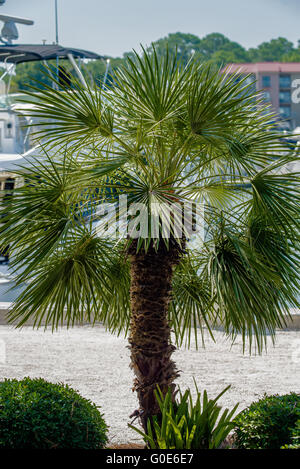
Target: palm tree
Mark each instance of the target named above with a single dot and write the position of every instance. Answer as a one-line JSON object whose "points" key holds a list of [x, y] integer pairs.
{"points": [[164, 135]]}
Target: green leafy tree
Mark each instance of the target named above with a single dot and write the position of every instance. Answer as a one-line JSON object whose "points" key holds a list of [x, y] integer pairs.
{"points": [[165, 136], [212, 43], [214, 47], [29, 73], [293, 56], [26, 73], [230, 53], [272, 51], [33, 73], [182, 44], [95, 69]]}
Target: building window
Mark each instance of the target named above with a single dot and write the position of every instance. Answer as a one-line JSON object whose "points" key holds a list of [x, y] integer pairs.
{"points": [[8, 130], [266, 96], [285, 81], [266, 81], [284, 96], [9, 184], [285, 112]]}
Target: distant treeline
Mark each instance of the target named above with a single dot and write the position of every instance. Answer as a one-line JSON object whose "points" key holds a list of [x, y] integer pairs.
{"points": [[214, 48]]}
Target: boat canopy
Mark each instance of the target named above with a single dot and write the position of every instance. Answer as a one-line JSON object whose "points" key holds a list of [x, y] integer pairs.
{"points": [[18, 53]]}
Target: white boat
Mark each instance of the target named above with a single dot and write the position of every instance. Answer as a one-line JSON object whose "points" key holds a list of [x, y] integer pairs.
{"points": [[16, 145]]}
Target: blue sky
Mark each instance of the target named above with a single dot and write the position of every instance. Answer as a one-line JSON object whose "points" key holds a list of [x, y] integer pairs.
{"points": [[115, 26]]}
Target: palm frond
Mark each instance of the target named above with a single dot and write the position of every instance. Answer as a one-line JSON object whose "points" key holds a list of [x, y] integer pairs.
{"points": [[80, 113], [276, 197], [79, 283], [250, 294], [192, 305], [168, 134]]}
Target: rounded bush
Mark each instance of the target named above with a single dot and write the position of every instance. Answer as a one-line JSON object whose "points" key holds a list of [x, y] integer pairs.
{"points": [[37, 414], [295, 438], [268, 423]]}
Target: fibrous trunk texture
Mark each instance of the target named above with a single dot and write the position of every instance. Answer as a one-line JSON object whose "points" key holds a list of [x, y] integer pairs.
{"points": [[150, 338]]}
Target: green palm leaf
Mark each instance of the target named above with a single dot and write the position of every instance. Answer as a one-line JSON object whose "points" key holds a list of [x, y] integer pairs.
{"points": [[163, 133]]}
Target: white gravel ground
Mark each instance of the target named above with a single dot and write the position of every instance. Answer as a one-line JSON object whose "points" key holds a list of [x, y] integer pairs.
{"points": [[96, 364]]}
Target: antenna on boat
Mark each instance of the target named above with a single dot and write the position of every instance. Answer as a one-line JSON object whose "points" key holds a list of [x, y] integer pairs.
{"points": [[9, 30], [106, 72], [56, 23], [56, 39]]}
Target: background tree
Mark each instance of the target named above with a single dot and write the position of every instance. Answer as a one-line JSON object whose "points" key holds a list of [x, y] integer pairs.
{"points": [[231, 52], [212, 43], [272, 51], [214, 48], [185, 45], [27, 74], [165, 134], [33, 73]]}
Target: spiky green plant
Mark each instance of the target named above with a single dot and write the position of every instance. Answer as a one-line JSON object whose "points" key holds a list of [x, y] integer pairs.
{"points": [[163, 134], [185, 424]]}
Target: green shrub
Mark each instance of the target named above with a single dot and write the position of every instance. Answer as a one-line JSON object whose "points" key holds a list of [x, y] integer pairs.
{"points": [[188, 425], [295, 436], [37, 414], [268, 423]]}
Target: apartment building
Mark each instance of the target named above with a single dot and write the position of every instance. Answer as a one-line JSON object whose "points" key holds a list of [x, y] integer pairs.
{"points": [[280, 83]]}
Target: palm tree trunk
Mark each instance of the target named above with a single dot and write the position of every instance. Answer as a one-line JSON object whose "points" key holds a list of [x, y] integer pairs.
{"points": [[150, 338]]}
